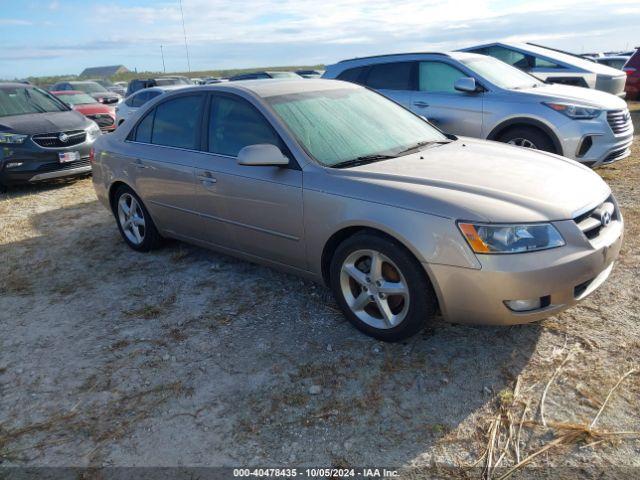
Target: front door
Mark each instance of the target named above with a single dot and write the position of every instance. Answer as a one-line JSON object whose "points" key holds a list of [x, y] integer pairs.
{"points": [[260, 207], [452, 111]]}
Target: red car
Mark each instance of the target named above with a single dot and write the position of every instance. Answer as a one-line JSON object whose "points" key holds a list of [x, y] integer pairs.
{"points": [[103, 115], [632, 67]]}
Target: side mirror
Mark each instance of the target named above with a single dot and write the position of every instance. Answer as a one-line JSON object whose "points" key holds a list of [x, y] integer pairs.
{"points": [[262, 154], [466, 84]]}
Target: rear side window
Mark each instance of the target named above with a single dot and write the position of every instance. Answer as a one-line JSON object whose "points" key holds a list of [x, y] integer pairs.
{"points": [[177, 122], [234, 124], [391, 76], [353, 75], [438, 77], [144, 128]]}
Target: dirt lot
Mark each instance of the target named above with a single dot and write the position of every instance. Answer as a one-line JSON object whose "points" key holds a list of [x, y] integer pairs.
{"points": [[186, 357]]}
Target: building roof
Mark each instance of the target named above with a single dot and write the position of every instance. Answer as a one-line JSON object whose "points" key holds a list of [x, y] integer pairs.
{"points": [[102, 72]]}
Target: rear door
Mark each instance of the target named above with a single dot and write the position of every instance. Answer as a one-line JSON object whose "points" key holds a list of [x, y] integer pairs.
{"points": [[164, 151], [436, 99], [258, 208], [395, 80]]}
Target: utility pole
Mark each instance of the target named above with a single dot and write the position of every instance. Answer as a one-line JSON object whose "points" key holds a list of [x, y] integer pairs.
{"points": [[184, 31], [164, 69]]}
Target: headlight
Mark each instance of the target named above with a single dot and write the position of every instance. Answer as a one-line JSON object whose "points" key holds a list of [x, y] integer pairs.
{"points": [[571, 110], [12, 138], [493, 238], [93, 131]]}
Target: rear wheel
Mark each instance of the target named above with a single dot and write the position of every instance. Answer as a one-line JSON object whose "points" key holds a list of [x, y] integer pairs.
{"points": [[134, 222], [528, 137], [381, 288]]}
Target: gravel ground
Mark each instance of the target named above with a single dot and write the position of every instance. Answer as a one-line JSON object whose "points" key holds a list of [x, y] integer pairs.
{"points": [[184, 357]]}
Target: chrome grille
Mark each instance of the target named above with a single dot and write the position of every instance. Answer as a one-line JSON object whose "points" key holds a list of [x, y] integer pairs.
{"points": [[53, 140], [593, 222], [619, 121]]}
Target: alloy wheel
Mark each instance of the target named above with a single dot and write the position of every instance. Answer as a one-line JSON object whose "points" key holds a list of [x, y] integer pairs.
{"points": [[374, 288], [131, 218], [522, 142]]}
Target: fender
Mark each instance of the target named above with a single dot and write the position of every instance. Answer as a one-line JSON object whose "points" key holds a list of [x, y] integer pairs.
{"points": [[532, 122]]}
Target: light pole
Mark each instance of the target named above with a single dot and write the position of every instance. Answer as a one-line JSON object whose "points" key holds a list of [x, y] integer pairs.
{"points": [[184, 31], [164, 69]]}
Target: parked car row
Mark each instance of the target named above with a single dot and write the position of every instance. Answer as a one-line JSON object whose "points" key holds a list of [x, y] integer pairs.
{"points": [[462, 93]]}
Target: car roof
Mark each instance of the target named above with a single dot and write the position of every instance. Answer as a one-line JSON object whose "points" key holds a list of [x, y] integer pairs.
{"points": [[16, 84], [406, 55], [68, 92], [163, 88], [274, 87]]}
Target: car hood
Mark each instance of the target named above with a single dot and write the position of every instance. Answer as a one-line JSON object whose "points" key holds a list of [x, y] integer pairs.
{"points": [[478, 180], [568, 93], [35, 123]]}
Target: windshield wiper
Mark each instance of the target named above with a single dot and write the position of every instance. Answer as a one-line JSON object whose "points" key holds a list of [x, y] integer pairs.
{"points": [[363, 160], [419, 145]]}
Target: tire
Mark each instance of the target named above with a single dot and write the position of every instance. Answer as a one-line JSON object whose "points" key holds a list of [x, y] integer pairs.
{"points": [[137, 229], [353, 283], [521, 135]]}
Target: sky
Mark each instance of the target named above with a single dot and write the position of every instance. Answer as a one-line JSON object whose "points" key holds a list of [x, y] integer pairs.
{"points": [[57, 37]]}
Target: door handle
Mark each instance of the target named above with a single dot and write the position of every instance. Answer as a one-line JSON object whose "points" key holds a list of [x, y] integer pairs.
{"points": [[421, 104], [138, 164], [207, 178]]}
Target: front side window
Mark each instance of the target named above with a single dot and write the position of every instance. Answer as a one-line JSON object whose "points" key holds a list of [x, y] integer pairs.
{"points": [[234, 124], [177, 122], [391, 76], [25, 100], [340, 125], [500, 74], [438, 77]]}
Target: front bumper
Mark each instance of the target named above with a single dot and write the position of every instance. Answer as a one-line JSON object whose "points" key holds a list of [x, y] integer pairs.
{"points": [[563, 276], [605, 146], [30, 163]]}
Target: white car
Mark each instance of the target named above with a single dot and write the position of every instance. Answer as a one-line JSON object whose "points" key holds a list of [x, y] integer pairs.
{"points": [[134, 101], [555, 66]]}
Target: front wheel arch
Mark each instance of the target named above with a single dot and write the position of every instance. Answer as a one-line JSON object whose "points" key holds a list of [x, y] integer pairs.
{"points": [[340, 236], [527, 123]]}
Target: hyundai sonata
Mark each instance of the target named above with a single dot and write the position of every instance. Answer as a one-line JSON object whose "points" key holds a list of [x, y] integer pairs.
{"points": [[335, 182]]}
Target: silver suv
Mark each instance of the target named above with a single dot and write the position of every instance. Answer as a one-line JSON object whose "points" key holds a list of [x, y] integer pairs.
{"points": [[479, 96]]}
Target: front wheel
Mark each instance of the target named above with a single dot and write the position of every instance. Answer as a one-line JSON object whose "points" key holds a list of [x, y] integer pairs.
{"points": [[381, 288], [528, 137], [134, 222]]}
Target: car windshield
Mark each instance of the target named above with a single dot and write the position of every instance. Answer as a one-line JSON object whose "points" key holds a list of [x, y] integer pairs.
{"points": [[501, 74], [76, 98], [89, 87], [25, 100], [343, 125]]}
